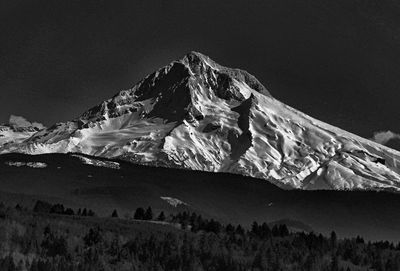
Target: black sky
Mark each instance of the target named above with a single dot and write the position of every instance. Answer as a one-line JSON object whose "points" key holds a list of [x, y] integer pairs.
{"points": [[338, 61]]}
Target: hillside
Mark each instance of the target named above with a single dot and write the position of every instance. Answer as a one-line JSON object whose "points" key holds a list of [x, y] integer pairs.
{"points": [[33, 240], [228, 197]]}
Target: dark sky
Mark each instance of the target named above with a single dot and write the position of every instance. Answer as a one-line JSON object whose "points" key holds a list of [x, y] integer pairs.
{"points": [[338, 61]]}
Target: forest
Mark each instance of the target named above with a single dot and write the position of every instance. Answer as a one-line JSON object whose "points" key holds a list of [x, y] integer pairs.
{"points": [[52, 237]]}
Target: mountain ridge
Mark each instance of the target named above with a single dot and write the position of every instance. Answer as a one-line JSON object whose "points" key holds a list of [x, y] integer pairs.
{"points": [[197, 114]]}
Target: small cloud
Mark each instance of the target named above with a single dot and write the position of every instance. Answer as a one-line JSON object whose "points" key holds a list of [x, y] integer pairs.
{"points": [[384, 137], [21, 122]]}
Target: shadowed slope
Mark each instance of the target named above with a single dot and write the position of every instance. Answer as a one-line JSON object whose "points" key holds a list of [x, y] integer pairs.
{"points": [[230, 198]]}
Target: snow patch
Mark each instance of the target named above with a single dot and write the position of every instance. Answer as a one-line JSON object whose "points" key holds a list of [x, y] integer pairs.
{"points": [[28, 164], [173, 201], [98, 163]]}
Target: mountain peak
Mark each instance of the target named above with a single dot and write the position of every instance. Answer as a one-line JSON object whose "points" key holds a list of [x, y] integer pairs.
{"points": [[193, 55], [168, 93], [198, 63], [195, 59]]}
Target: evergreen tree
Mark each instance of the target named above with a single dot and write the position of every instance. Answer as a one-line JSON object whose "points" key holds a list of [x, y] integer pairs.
{"points": [[255, 229], [57, 209], [139, 214], [69, 211], [42, 207], [114, 213], [239, 230], [283, 230], [148, 215], [275, 230], [229, 228], [91, 213], [161, 217], [265, 231]]}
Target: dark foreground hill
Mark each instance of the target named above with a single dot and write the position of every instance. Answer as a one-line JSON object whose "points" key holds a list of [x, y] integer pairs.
{"points": [[229, 198], [44, 241]]}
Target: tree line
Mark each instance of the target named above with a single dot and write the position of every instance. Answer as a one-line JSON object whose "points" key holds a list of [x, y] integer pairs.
{"points": [[44, 242], [58, 208]]}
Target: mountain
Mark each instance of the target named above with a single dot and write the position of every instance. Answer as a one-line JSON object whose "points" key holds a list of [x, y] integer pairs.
{"points": [[103, 185], [17, 130], [196, 114]]}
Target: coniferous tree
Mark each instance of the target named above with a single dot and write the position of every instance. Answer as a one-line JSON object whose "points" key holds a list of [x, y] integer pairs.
{"points": [[91, 213], [275, 230], [69, 211], [139, 214], [239, 230], [229, 228], [57, 209], [42, 207], [264, 231], [255, 229], [283, 230], [114, 213], [161, 217], [148, 215]]}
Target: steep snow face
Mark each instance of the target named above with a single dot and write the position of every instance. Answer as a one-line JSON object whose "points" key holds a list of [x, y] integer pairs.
{"points": [[196, 114]]}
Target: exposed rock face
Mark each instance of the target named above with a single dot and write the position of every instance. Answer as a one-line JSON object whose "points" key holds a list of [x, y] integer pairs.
{"points": [[197, 114]]}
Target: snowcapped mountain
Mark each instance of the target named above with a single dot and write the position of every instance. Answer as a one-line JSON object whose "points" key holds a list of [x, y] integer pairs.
{"points": [[197, 114]]}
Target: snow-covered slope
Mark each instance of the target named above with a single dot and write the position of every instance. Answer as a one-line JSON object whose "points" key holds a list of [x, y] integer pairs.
{"points": [[196, 114]]}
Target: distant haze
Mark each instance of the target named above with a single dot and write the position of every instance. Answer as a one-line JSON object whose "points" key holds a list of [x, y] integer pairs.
{"points": [[338, 61]]}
